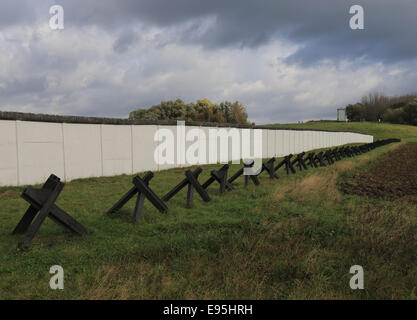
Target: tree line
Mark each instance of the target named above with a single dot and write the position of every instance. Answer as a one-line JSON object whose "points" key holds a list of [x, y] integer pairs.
{"points": [[203, 110], [379, 107]]}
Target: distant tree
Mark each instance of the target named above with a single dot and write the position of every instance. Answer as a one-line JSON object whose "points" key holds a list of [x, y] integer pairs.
{"points": [[190, 111], [402, 113], [138, 114], [355, 112], [226, 109], [394, 116], [239, 114], [203, 110], [376, 106], [410, 113]]}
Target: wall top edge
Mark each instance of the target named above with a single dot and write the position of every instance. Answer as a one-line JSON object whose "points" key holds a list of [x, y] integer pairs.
{"points": [[37, 117]]}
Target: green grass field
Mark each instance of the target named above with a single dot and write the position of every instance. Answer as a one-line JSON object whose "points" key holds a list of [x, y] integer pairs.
{"points": [[293, 238], [378, 130]]}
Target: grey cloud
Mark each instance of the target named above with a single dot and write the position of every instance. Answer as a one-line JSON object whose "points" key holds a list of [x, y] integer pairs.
{"points": [[123, 70], [18, 11], [320, 26], [23, 86], [124, 41]]}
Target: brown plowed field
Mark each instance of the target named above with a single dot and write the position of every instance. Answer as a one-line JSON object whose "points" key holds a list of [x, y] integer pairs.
{"points": [[393, 176]]}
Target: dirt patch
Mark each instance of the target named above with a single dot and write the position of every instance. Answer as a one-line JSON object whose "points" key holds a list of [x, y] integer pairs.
{"points": [[393, 176], [8, 193], [101, 179], [322, 184], [316, 185]]}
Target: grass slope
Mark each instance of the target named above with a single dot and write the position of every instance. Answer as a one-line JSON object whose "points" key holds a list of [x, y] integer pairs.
{"points": [[294, 238], [378, 130]]}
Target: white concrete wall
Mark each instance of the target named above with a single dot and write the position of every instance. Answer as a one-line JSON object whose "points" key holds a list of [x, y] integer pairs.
{"points": [[271, 143], [31, 151], [279, 143], [196, 148], [40, 151], [116, 149], [208, 146], [264, 143], [8, 153], [143, 145], [82, 151]]}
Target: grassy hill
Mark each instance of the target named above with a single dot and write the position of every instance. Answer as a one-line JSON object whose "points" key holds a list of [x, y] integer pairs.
{"points": [[378, 130], [292, 238]]}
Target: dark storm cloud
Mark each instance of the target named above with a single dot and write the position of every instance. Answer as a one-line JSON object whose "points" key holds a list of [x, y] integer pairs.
{"points": [[321, 26]]}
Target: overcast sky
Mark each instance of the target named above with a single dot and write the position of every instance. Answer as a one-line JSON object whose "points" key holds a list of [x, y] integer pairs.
{"points": [[286, 60]]}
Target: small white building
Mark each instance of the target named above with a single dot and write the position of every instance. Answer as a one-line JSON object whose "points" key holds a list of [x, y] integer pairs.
{"points": [[341, 114]]}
